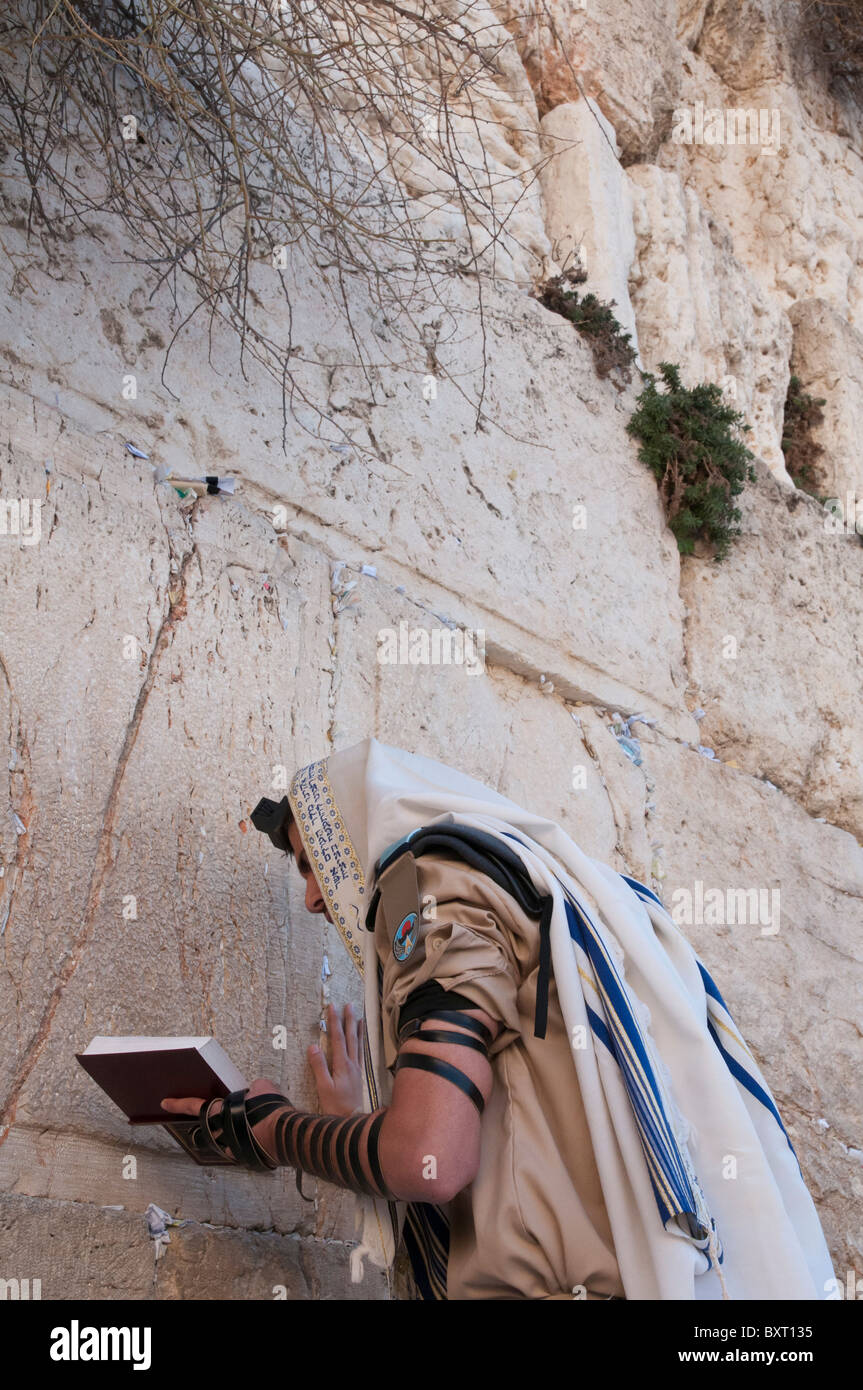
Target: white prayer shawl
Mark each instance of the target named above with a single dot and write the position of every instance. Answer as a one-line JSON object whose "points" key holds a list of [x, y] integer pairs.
{"points": [[704, 1194]]}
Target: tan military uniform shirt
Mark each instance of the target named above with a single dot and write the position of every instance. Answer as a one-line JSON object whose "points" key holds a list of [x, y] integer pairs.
{"points": [[533, 1223]]}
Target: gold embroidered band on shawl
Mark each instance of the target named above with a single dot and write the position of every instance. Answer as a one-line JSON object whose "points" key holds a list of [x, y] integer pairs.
{"points": [[336, 865], [330, 852]]}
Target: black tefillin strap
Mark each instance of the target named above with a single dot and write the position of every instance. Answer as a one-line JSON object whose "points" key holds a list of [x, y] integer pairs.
{"points": [[413, 1031], [230, 1128], [490, 856]]}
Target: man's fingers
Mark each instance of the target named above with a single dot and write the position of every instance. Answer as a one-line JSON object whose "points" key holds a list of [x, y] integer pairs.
{"points": [[188, 1105], [350, 1026], [318, 1064], [337, 1039]]}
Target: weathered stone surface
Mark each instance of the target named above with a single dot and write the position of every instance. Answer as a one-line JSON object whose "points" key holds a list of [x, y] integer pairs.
{"points": [[75, 1251], [589, 203], [697, 306], [496, 726], [792, 979], [483, 516], [828, 358], [787, 710], [78, 1252]]}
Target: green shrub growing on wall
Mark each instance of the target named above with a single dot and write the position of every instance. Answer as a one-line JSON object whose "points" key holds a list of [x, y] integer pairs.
{"points": [[689, 442], [593, 318], [802, 414]]}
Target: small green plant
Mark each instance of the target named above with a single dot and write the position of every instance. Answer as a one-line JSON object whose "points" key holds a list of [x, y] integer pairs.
{"points": [[802, 414], [609, 344], [688, 441]]}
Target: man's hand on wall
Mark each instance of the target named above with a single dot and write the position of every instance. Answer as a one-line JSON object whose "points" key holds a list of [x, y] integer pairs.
{"points": [[340, 1093]]}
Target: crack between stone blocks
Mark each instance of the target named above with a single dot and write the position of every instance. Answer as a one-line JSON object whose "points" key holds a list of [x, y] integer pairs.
{"points": [[26, 804], [333, 642], [500, 656], [103, 859], [188, 1221], [695, 690]]}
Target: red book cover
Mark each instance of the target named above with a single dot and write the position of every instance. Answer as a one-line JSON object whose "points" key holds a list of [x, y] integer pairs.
{"points": [[137, 1075]]}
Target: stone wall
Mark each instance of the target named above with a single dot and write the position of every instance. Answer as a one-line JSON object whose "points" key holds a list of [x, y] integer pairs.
{"points": [[160, 657]]}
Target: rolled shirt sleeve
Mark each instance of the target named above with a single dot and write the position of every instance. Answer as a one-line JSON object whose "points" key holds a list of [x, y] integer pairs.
{"points": [[463, 943]]}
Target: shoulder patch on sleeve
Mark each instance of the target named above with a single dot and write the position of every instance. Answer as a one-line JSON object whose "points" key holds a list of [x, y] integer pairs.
{"points": [[400, 896]]}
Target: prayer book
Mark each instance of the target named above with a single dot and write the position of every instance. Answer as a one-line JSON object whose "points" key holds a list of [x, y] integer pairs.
{"points": [[137, 1073]]}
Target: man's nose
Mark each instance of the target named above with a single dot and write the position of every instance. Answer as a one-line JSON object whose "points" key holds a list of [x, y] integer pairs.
{"points": [[314, 897]]}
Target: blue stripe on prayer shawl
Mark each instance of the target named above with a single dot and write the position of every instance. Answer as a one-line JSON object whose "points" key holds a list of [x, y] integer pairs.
{"points": [[671, 1188], [737, 1069], [626, 1034], [428, 1252], [434, 1258], [437, 1240], [711, 986], [438, 1222], [640, 889], [599, 1028], [435, 1269], [739, 1072], [418, 1263]]}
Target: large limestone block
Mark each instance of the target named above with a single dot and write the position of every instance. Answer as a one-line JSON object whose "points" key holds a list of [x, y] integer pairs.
{"points": [[792, 973], [475, 514], [626, 57], [588, 201], [127, 1172], [137, 898], [793, 211], [792, 199], [482, 529], [67, 692], [493, 725], [203, 1264], [828, 358], [697, 306], [774, 652], [74, 1251], [78, 1251]]}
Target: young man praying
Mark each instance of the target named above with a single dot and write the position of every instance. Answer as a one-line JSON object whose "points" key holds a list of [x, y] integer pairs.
{"points": [[539, 1105]]}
